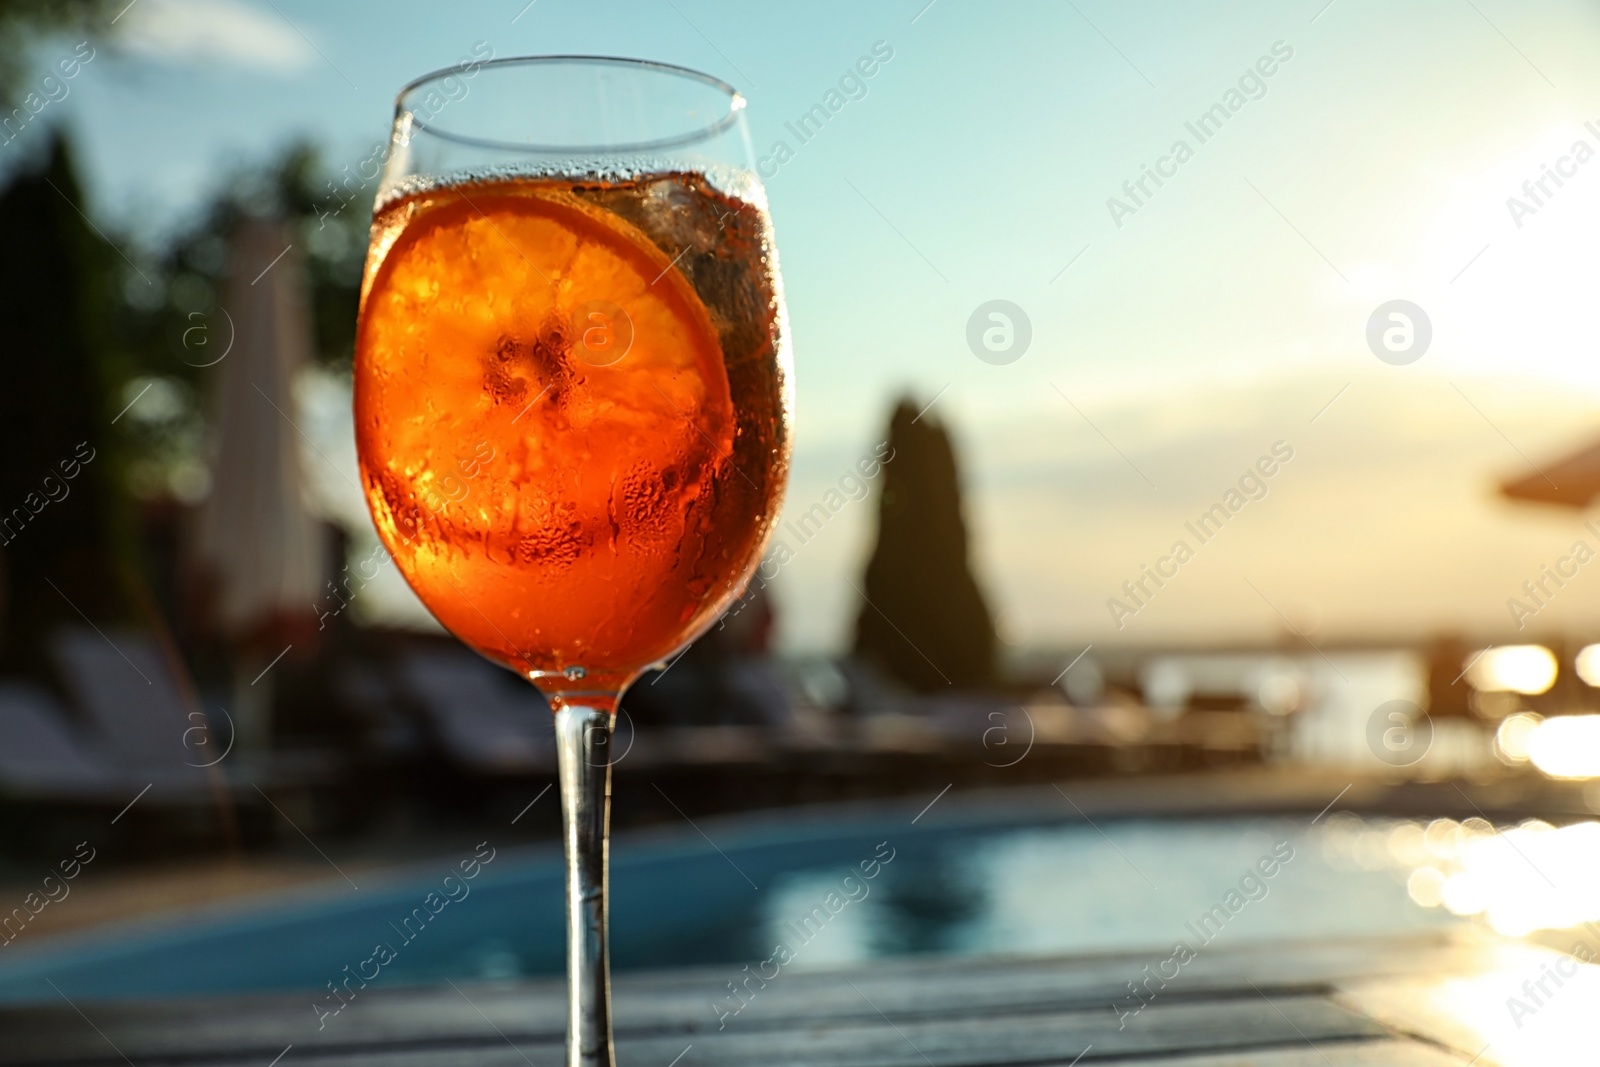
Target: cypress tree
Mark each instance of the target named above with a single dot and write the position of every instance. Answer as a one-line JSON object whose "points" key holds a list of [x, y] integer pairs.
{"points": [[924, 619], [59, 513]]}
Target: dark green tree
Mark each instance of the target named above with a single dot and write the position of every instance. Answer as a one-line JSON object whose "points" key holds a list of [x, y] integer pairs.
{"points": [[925, 620], [63, 534]]}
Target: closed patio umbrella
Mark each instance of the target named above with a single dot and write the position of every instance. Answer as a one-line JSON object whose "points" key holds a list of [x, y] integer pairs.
{"points": [[257, 542]]}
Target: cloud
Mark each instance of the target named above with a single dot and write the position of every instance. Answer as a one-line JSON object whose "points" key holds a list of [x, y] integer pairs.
{"points": [[214, 31]]}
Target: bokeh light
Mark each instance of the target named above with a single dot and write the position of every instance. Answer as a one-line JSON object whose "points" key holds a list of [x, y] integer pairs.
{"points": [[1567, 747], [1587, 664], [1526, 669], [1514, 880], [1512, 738]]}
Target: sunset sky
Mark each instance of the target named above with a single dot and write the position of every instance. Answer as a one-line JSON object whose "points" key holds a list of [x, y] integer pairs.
{"points": [[1171, 346]]}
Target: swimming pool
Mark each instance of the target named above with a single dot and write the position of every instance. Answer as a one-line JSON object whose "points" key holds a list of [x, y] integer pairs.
{"points": [[805, 891]]}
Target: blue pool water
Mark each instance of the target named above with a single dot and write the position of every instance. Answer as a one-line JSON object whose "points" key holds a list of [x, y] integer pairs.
{"points": [[968, 885]]}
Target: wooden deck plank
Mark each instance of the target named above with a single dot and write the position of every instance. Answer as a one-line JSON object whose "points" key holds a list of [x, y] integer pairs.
{"points": [[1536, 1010], [673, 1003], [1286, 1023], [1362, 1054], [905, 1013]]}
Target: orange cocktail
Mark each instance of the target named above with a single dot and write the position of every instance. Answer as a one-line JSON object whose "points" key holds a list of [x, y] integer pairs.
{"points": [[570, 412]]}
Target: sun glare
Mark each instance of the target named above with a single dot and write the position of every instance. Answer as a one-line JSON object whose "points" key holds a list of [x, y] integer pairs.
{"points": [[1567, 746], [1526, 669]]}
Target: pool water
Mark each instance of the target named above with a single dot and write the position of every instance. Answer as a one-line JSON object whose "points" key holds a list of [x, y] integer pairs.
{"points": [[1067, 889], [825, 889]]}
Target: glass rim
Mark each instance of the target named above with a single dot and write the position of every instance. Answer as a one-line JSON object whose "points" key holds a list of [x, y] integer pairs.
{"points": [[736, 105]]}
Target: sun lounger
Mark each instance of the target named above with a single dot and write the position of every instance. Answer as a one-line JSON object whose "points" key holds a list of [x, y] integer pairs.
{"points": [[42, 758], [485, 720]]}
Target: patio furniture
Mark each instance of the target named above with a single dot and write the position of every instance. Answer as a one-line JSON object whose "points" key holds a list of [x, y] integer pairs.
{"points": [[485, 720], [146, 728], [122, 683], [42, 758]]}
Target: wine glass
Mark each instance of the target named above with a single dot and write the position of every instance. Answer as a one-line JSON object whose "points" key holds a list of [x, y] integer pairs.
{"points": [[572, 395]]}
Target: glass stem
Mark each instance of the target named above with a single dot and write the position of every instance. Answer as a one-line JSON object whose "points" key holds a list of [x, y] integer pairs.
{"points": [[583, 751]]}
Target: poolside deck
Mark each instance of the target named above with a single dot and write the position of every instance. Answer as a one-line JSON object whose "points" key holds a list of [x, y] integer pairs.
{"points": [[1416, 1002]]}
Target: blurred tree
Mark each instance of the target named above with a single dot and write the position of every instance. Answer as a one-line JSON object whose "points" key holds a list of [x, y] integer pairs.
{"points": [[64, 535], [93, 328], [24, 22], [925, 620], [164, 325], [171, 333]]}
